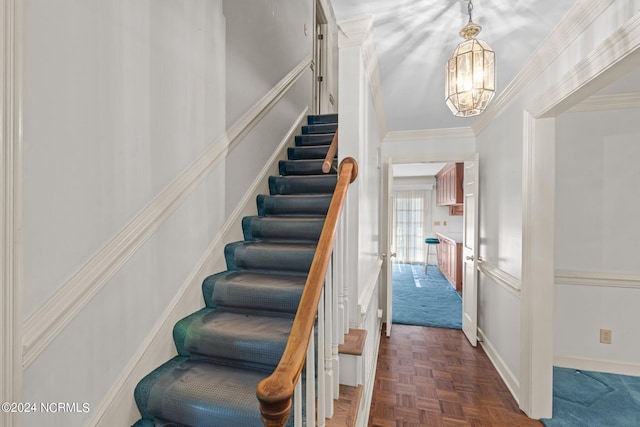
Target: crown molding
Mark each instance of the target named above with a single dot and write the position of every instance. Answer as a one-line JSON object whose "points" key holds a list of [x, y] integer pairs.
{"points": [[429, 134], [579, 16], [623, 101]]}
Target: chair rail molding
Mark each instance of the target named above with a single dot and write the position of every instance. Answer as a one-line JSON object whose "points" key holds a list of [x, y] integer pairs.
{"points": [[11, 49], [501, 277], [55, 314], [598, 278]]}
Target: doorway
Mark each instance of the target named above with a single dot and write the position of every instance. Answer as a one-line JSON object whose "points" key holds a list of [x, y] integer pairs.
{"points": [[388, 198]]}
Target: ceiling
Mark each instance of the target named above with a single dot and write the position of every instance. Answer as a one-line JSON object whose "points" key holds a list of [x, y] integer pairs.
{"points": [[415, 38]]}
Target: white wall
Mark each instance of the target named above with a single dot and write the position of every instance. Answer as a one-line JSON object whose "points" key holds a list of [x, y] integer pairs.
{"points": [[597, 206], [120, 98]]}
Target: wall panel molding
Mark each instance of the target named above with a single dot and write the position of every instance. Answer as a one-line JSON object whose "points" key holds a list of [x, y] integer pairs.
{"points": [[598, 278], [56, 313], [11, 280]]}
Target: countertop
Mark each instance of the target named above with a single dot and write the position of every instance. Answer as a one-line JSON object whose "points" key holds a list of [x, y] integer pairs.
{"points": [[451, 235]]}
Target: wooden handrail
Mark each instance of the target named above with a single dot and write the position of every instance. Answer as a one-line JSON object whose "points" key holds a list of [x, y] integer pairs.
{"points": [[328, 160], [276, 391]]}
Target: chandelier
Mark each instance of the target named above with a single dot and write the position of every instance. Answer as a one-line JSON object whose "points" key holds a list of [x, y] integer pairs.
{"points": [[471, 73]]}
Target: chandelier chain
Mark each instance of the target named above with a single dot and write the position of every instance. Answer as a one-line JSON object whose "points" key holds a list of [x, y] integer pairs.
{"points": [[469, 10]]}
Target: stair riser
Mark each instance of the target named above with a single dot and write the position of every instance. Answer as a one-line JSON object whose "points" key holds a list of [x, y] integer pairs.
{"points": [[307, 153], [322, 128], [313, 140], [304, 167], [303, 206], [302, 185], [255, 228], [322, 119], [247, 257]]}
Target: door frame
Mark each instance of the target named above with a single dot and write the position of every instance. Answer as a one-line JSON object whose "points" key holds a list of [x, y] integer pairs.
{"points": [[319, 89], [421, 158], [613, 58]]}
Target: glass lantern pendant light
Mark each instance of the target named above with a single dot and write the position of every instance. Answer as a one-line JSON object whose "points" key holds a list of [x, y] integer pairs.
{"points": [[471, 73]]}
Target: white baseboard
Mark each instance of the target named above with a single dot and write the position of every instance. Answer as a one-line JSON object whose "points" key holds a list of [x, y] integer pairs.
{"points": [[513, 384], [118, 408], [608, 366]]}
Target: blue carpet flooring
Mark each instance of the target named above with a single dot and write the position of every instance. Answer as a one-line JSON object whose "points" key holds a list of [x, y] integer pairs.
{"points": [[594, 399], [424, 299]]}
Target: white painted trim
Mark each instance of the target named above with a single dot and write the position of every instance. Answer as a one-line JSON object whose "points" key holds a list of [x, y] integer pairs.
{"points": [[609, 366], [371, 285], [158, 347], [598, 278], [570, 27], [362, 419], [581, 81], [54, 315], [429, 135], [11, 279], [501, 277], [620, 101], [358, 32], [609, 60], [505, 373]]}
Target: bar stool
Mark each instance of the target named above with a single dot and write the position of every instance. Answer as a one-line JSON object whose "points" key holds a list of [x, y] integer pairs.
{"points": [[430, 241]]}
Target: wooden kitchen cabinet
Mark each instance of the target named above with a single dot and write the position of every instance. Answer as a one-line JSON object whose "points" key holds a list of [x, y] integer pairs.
{"points": [[449, 189], [450, 260]]}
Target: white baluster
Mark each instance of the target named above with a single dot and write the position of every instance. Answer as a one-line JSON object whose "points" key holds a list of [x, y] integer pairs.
{"points": [[321, 378], [328, 340], [311, 382], [297, 404]]}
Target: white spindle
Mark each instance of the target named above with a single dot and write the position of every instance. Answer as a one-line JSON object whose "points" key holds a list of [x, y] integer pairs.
{"points": [[328, 341], [311, 382], [321, 374], [297, 404]]}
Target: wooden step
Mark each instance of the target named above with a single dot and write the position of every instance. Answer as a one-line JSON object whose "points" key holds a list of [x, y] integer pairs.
{"points": [[345, 410], [353, 342]]}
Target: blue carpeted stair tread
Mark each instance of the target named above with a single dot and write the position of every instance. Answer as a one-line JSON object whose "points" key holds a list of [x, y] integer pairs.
{"points": [[314, 139], [269, 256], [196, 393], [319, 128], [258, 291], [308, 153], [316, 119], [312, 184], [293, 204], [304, 167], [282, 228], [244, 338]]}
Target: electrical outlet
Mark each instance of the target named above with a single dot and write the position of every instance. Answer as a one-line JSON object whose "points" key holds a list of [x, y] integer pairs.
{"points": [[444, 223], [605, 336]]}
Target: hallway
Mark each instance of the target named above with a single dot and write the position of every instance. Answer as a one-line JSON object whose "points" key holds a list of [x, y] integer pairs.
{"points": [[433, 377]]}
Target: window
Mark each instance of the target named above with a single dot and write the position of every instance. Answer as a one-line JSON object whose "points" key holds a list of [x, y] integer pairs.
{"points": [[411, 208]]}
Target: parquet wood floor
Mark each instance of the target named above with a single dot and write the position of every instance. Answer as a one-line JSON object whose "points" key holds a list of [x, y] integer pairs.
{"points": [[434, 377]]}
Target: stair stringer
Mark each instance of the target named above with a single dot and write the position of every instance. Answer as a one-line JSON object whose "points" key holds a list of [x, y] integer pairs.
{"points": [[118, 407]]}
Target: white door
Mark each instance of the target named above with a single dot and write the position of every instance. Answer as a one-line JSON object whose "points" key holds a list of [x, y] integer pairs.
{"points": [[386, 230], [469, 253]]}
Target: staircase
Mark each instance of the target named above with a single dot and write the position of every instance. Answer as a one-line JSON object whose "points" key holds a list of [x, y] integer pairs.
{"points": [[237, 339]]}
